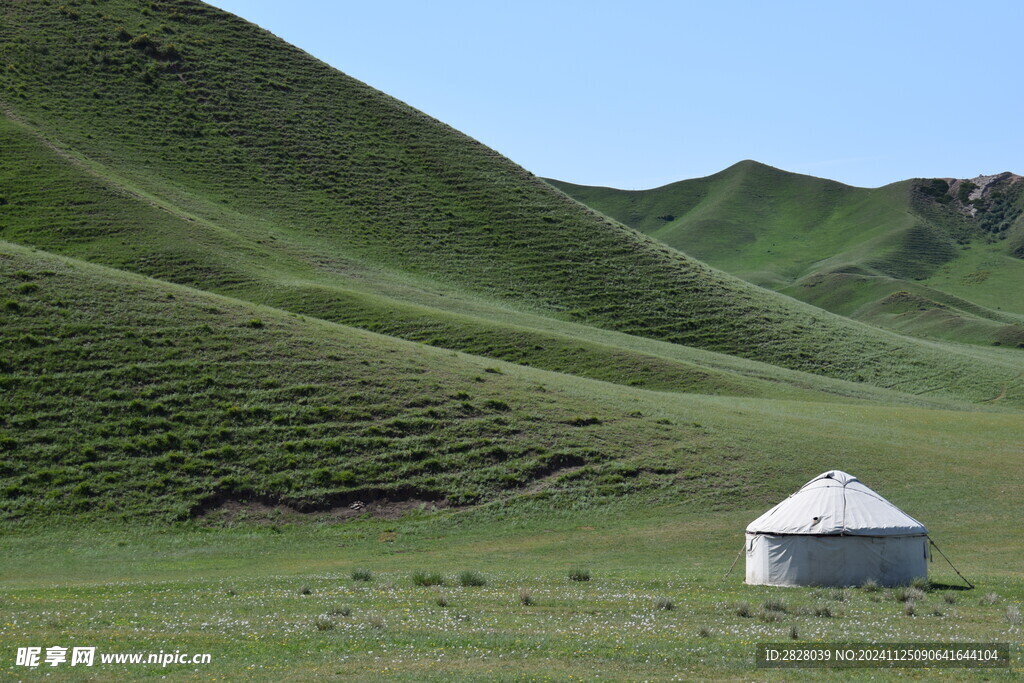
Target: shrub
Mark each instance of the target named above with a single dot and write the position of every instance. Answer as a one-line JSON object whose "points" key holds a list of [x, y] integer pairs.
{"points": [[255, 323], [909, 609], [743, 610], [989, 599], [704, 632], [11, 305], [774, 605], [665, 604], [305, 590], [949, 598], [769, 616], [1013, 615], [823, 611], [427, 579], [468, 579], [838, 594], [921, 583], [343, 611], [869, 586], [441, 600], [525, 597], [362, 575], [908, 594], [794, 634], [579, 574], [323, 624]]}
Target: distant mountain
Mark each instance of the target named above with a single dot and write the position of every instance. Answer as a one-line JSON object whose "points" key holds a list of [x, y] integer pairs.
{"points": [[931, 257]]}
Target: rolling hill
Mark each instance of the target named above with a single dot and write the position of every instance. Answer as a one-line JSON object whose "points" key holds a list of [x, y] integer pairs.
{"points": [[219, 157], [933, 258], [169, 140]]}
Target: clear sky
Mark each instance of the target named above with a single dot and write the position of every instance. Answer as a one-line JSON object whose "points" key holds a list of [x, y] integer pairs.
{"points": [[639, 94]]}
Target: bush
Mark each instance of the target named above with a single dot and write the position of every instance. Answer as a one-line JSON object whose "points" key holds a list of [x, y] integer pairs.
{"points": [[343, 611], [323, 624], [525, 597], [704, 632], [774, 605], [909, 609], [743, 610], [949, 598], [305, 590], [794, 634], [909, 594], [989, 599], [869, 586], [427, 579], [921, 583], [362, 575], [255, 323], [838, 594], [579, 574], [468, 579], [823, 611], [1013, 615], [441, 599], [665, 604]]}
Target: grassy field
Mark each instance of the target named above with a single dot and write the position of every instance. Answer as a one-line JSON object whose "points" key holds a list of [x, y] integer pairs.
{"points": [[854, 251], [276, 602]]}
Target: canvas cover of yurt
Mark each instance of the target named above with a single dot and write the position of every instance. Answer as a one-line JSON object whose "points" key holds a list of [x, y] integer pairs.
{"points": [[835, 531]]}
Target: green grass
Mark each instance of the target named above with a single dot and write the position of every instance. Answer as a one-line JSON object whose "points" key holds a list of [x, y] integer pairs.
{"points": [[275, 348], [126, 397], [235, 593], [240, 165], [842, 248]]}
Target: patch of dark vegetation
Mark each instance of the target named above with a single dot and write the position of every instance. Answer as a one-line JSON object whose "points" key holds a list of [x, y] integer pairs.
{"points": [[579, 574], [936, 188], [421, 578], [472, 579]]}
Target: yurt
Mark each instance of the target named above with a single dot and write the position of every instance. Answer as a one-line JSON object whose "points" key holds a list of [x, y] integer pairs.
{"points": [[835, 531]]}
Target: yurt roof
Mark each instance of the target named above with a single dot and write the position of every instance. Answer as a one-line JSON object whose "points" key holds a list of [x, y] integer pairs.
{"points": [[836, 503]]}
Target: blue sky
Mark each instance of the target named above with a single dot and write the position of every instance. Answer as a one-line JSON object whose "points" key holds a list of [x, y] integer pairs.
{"points": [[641, 94]]}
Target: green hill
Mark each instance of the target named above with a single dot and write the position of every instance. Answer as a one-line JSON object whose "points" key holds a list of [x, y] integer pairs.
{"points": [[175, 141], [222, 158], [129, 398], [126, 397], [850, 250]]}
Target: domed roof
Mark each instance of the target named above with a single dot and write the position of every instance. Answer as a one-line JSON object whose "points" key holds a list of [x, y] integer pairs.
{"points": [[833, 504]]}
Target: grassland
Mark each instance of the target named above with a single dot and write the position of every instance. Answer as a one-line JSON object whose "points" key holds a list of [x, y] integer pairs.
{"points": [[195, 148], [262, 326], [280, 602], [854, 251]]}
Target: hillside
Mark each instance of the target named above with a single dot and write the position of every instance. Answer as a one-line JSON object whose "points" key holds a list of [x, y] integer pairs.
{"points": [[128, 398], [177, 141], [932, 258], [125, 397]]}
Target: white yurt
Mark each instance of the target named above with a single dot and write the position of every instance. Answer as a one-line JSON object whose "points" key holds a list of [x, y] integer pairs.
{"points": [[835, 531]]}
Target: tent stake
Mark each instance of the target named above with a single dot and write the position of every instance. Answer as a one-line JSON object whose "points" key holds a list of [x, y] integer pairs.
{"points": [[733, 565], [969, 584]]}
